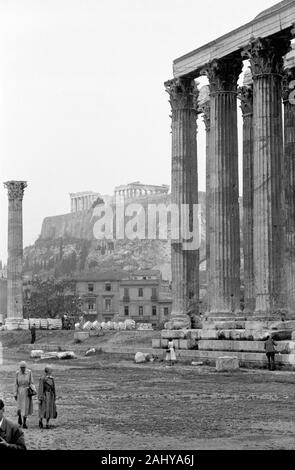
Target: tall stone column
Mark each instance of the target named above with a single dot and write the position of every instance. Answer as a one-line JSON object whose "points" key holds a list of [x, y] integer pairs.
{"points": [[15, 254], [289, 161], [206, 118], [266, 58], [246, 96], [184, 190], [224, 261]]}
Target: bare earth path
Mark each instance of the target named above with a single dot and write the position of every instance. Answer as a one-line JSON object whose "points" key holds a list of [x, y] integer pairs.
{"points": [[103, 404]]}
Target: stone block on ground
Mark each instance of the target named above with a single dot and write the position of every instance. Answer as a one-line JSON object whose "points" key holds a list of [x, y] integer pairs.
{"points": [[164, 343], [227, 363], [156, 343], [36, 353], [194, 334], [87, 326], [141, 357], [174, 334], [66, 355], [281, 334], [187, 343], [81, 335]]}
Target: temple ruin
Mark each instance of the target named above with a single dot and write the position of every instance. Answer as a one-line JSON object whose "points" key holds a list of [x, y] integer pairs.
{"points": [[268, 169]]}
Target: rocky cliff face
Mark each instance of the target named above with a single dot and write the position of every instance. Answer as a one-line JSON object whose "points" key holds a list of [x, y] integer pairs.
{"points": [[67, 245]]}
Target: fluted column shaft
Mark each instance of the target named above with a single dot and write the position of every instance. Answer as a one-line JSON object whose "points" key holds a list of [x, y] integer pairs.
{"points": [[15, 252], [289, 162], [246, 95], [224, 264], [184, 189], [266, 58], [206, 117]]}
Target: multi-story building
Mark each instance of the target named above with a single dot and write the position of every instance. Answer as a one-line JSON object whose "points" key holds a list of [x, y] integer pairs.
{"points": [[99, 294], [145, 298], [141, 296]]}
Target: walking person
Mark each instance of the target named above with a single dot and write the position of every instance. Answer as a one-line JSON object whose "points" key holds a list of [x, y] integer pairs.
{"points": [[47, 397], [11, 436], [33, 334], [171, 356], [270, 350], [24, 390]]}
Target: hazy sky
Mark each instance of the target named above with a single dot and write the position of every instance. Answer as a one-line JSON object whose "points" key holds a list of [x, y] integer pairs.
{"points": [[82, 102]]}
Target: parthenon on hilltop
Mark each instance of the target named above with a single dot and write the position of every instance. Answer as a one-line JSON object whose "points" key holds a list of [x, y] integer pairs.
{"points": [[268, 169]]}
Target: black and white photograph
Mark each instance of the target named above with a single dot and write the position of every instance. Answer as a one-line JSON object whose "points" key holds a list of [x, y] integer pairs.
{"points": [[147, 229]]}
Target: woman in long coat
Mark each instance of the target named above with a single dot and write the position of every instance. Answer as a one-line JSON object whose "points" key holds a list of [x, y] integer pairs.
{"points": [[23, 380], [46, 396]]}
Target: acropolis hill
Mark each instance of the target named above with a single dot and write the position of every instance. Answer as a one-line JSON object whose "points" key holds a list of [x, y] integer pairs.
{"points": [[67, 244]]}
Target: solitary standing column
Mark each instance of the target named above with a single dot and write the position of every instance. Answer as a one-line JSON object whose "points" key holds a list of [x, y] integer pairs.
{"points": [[289, 158], [224, 264], [266, 58], [185, 263], [15, 254], [246, 96]]}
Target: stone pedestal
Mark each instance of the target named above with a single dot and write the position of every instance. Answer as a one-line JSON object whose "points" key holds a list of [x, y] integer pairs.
{"points": [[224, 262], [246, 96], [266, 58], [14, 318], [184, 187], [289, 159]]}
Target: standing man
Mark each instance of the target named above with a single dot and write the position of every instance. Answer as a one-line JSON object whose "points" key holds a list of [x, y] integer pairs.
{"points": [[11, 436], [270, 350], [33, 334]]}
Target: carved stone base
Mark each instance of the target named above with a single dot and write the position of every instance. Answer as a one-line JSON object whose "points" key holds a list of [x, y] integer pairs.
{"points": [[16, 324]]}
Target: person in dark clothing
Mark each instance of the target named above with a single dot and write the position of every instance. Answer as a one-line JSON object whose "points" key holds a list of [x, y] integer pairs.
{"points": [[270, 350], [33, 334], [11, 435]]}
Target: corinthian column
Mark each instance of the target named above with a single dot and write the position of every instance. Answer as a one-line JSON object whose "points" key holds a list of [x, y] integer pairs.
{"points": [[246, 96], [184, 188], [266, 58], [289, 159], [224, 264], [15, 254], [206, 118]]}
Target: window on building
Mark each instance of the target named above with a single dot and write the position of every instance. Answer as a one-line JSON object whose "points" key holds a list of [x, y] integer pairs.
{"points": [[140, 310], [108, 286], [126, 311], [108, 304], [90, 287], [140, 292], [154, 310], [166, 311], [126, 292], [91, 306], [154, 292]]}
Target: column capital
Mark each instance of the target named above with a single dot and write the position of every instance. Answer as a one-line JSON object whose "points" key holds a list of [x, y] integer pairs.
{"points": [[288, 76], [246, 97], [183, 93], [15, 189], [223, 73], [266, 55]]}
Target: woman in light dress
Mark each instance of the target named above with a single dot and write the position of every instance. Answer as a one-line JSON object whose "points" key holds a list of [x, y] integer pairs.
{"points": [[23, 380], [46, 396], [170, 356]]}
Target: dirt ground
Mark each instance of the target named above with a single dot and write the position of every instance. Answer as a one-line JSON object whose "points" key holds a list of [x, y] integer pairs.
{"points": [[105, 403]]}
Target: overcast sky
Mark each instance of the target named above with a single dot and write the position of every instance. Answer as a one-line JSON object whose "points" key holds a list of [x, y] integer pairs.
{"points": [[82, 102]]}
